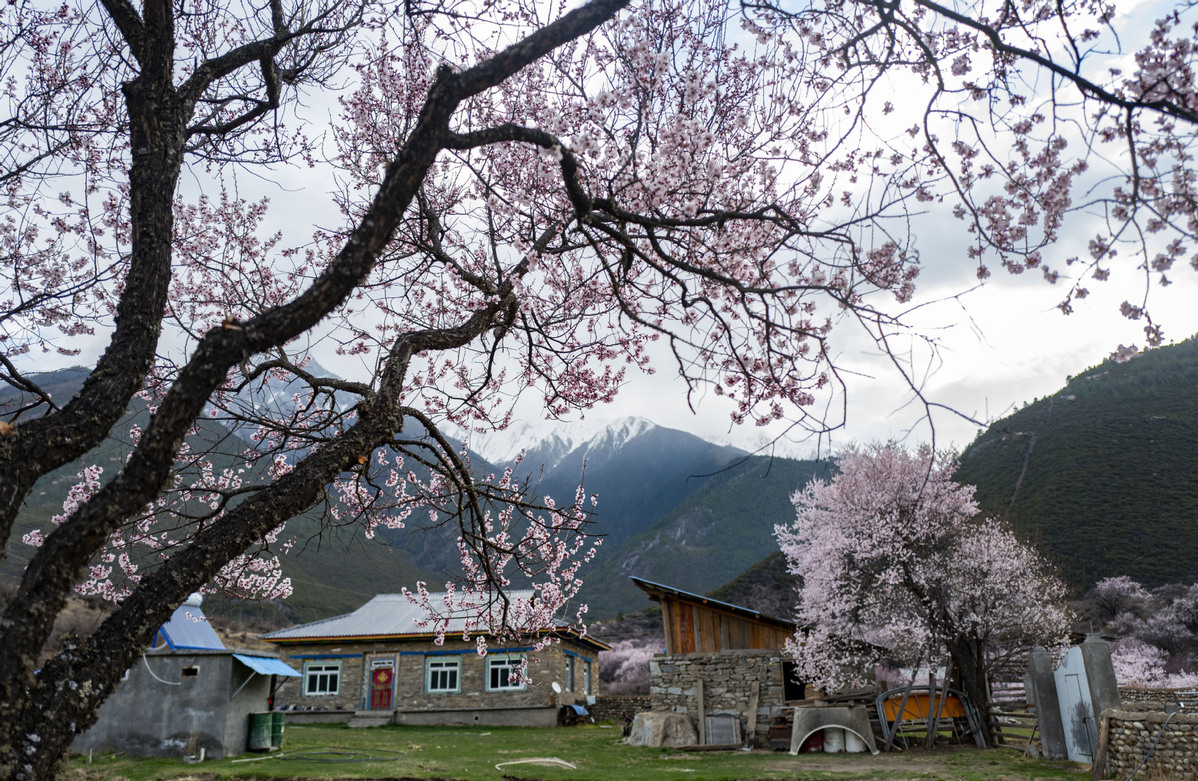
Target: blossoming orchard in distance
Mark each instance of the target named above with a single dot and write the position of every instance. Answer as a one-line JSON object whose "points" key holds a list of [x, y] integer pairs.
{"points": [[522, 201]]}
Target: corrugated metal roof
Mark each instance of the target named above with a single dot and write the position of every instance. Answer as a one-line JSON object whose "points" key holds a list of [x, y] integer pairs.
{"points": [[266, 665], [386, 615], [188, 628]]}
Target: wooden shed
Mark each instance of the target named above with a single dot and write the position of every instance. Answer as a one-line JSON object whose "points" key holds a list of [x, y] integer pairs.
{"points": [[698, 624]]}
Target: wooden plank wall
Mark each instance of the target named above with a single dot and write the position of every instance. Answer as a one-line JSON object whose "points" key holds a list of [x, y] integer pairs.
{"points": [[699, 629]]}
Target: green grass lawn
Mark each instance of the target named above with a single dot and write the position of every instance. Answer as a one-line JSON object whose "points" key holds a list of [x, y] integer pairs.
{"points": [[597, 753]]}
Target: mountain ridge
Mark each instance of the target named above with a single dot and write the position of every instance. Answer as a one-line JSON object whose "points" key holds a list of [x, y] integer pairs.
{"points": [[1096, 475], [655, 485]]}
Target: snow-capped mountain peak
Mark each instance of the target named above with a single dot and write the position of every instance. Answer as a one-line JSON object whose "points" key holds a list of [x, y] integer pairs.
{"points": [[548, 443]]}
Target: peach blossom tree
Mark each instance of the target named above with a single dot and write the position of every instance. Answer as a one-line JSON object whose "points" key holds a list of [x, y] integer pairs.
{"points": [[894, 562]]}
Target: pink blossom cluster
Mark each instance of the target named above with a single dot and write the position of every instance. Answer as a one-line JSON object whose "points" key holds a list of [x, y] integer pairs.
{"points": [[537, 543], [1029, 122], [698, 187], [1139, 664]]}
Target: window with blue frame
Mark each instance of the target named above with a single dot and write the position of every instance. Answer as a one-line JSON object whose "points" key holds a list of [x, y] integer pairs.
{"points": [[442, 675], [503, 674], [322, 678]]}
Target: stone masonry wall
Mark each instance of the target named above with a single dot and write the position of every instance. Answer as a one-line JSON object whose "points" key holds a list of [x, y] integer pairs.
{"points": [[728, 679], [409, 691], [1132, 733]]}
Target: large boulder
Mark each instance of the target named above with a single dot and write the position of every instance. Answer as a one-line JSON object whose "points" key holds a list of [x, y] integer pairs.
{"points": [[662, 728]]}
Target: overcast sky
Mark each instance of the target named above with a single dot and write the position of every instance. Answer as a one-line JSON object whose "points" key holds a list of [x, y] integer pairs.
{"points": [[998, 346]]}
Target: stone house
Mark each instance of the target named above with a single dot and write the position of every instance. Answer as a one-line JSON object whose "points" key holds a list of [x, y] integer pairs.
{"points": [[381, 663], [187, 692], [721, 660]]}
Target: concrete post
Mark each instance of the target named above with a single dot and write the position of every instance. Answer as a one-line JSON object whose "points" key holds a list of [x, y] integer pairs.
{"points": [[1048, 712], [1100, 673]]}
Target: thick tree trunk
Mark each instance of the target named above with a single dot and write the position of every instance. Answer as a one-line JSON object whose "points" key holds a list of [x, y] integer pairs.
{"points": [[969, 659], [158, 134]]}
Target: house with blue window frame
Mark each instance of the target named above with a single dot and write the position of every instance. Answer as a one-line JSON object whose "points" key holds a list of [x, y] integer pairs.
{"points": [[186, 693], [380, 662]]}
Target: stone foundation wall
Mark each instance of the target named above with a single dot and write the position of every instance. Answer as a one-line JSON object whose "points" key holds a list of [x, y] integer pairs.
{"points": [[1132, 733], [612, 707], [728, 679]]}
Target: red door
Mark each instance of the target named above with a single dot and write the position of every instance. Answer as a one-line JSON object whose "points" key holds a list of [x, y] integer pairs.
{"points": [[381, 679]]}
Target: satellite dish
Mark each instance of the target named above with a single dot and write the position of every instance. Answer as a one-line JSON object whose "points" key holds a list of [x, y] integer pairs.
{"points": [[557, 687]]}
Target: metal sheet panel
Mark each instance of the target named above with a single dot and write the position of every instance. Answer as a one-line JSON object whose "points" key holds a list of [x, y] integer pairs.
{"points": [[266, 665], [1077, 710], [385, 615], [189, 629]]}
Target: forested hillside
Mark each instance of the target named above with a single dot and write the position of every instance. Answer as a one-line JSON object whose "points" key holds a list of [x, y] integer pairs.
{"points": [[1100, 475]]}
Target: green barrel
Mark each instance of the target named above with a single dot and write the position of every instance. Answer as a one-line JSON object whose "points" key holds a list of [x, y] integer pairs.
{"points": [[276, 728], [260, 729]]}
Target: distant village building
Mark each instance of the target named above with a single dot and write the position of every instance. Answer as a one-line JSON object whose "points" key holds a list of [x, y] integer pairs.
{"points": [[186, 693], [380, 665], [721, 660]]}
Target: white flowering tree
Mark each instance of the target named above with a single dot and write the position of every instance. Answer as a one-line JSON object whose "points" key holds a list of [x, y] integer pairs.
{"points": [[520, 201], [891, 553], [1157, 631]]}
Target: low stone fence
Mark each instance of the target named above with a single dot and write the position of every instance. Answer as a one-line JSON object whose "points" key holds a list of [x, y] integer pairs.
{"points": [[1139, 698], [1132, 733], [612, 707]]}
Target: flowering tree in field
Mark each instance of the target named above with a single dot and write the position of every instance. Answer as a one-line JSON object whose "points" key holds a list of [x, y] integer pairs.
{"points": [[890, 552], [1158, 631], [1114, 596], [1140, 664], [523, 199], [625, 668]]}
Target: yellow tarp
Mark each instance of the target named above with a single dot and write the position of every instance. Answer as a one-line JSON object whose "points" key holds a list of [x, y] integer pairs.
{"points": [[918, 708]]}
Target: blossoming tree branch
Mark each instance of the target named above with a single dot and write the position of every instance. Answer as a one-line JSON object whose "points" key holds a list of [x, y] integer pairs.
{"points": [[521, 200]]}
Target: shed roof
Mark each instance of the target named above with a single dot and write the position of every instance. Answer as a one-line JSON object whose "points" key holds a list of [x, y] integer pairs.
{"points": [[266, 665], [188, 629], [657, 590], [389, 616]]}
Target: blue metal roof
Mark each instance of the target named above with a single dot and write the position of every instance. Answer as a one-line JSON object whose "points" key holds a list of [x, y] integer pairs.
{"points": [[189, 629], [266, 665]]}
